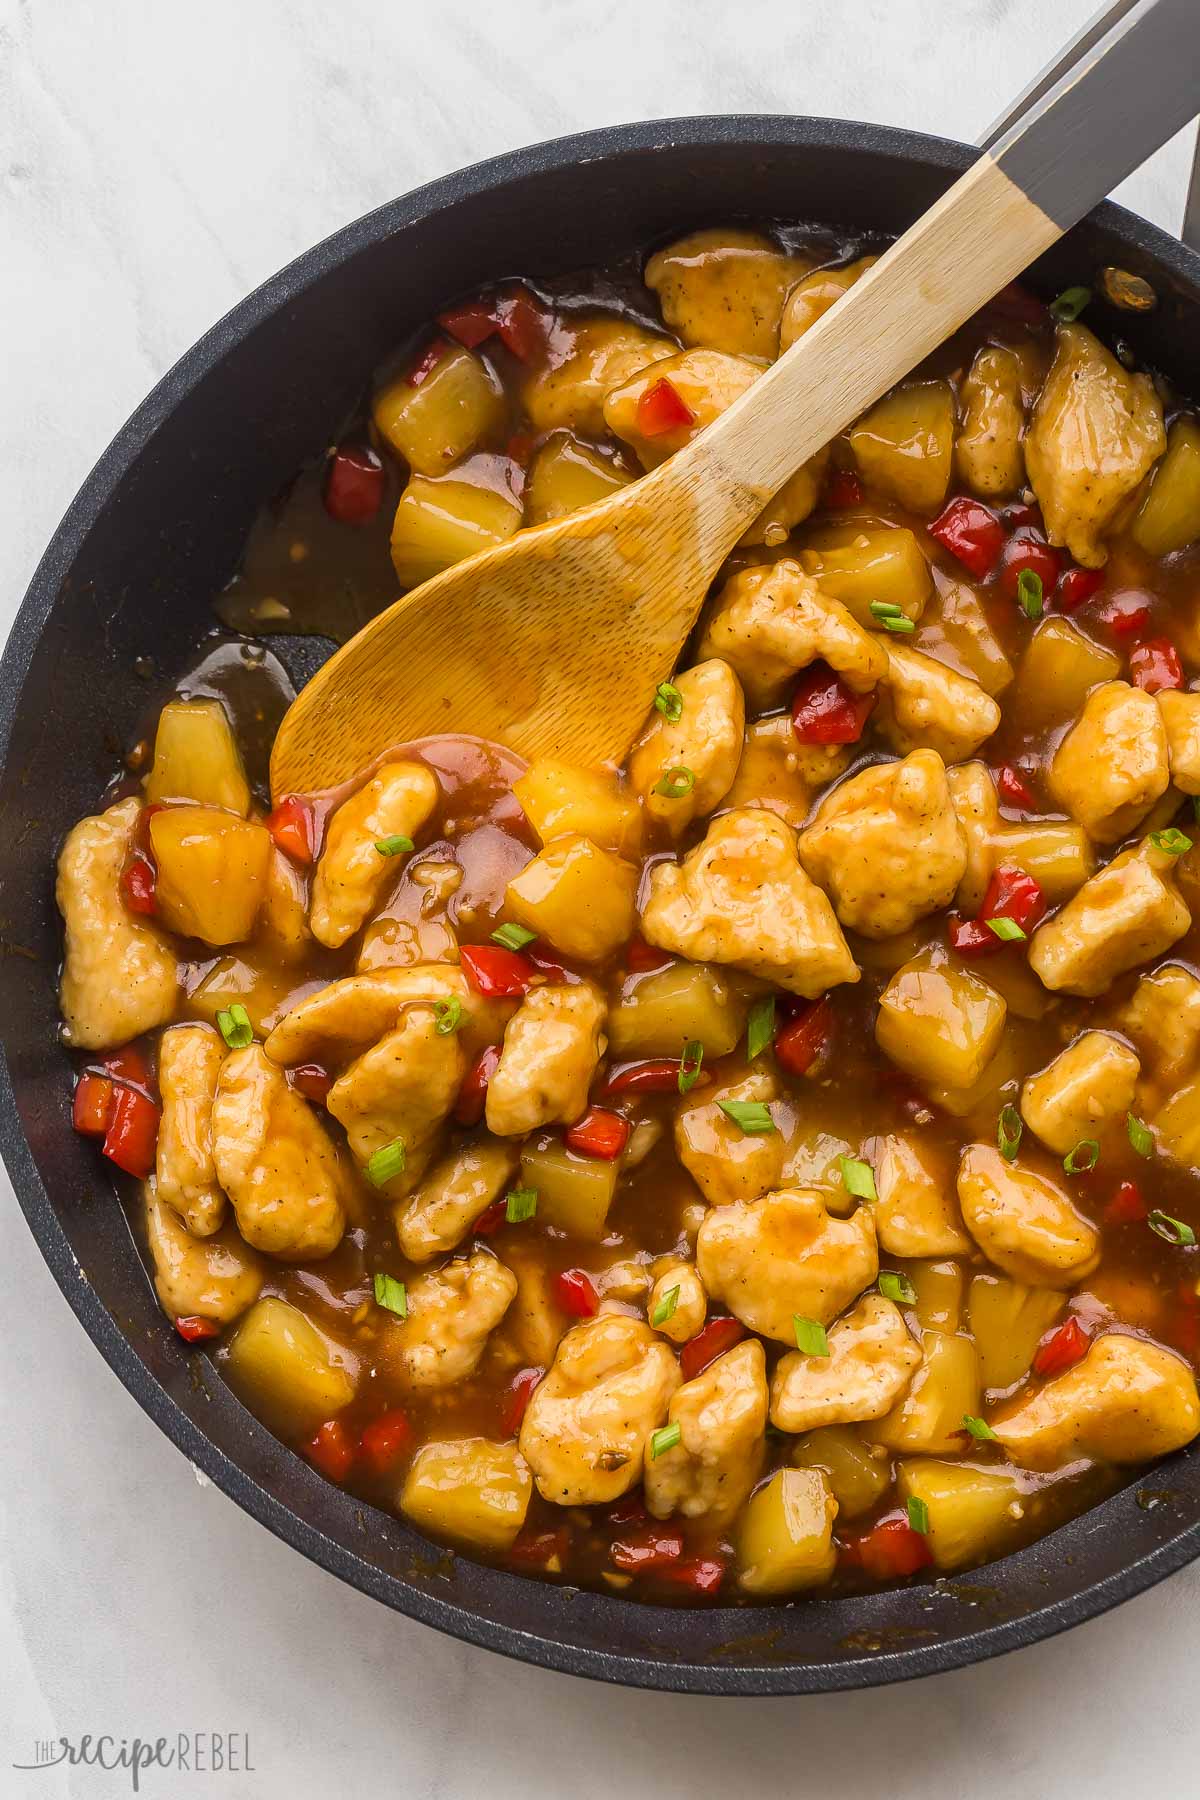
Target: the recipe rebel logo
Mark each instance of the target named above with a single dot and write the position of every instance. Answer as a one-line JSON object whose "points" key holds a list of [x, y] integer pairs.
{"points": [[186, 1753]]}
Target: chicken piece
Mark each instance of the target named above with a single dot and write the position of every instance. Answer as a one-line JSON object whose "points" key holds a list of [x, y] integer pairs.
{"points": [[1089, 1083], [722, 1416], [279, 1166], [401, 1090], [741, 897], [1181, 719], [942, 1024], [988, 452], [348, 1016], [1128, 1401], [588, 360], [887, 845], [916, 1213], [686, 1313], [1127, 914], [812, 297], [782, 1257], [552, 1045], [1095, 434], [725, 1162], [1163, 1019], [1024, 1222], [705, 742], [870, 1366], [352, 873], [725, 289], [706, 381], [586, 1427], [282, 929], [579, 899], [790, 505], [438, 1216], [451, 1311], [782, 774], [1060, 857], [120, 977], [189, 1061], [926, 705], [215, 1277], [768, 623], [904, 446], [1112, 765]]}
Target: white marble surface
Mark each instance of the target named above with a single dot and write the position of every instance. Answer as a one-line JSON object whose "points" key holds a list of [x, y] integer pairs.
{"points": [[156, 161]]}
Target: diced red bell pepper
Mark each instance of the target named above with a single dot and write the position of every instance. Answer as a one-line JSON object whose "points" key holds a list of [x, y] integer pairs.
{"points": [[1127, 613], [1014, 790], [385, 1441], [1015, 302], [311, 1080], [599, 1133], [520, 1393], [696, 1574], [653, 1547], [970, 937], [842, 488], [711, 1341], [574, 1292], [131, 1139], [293, 826], [1011, 894], [1021, 515], [1062, 1349], [427, 362], [1028, 550], [539, 1549], [641, 956], [519, 447], [662, 408], [471, 324], [472, 1095], [495, 972], [353, 487], [1077, 587], [889, 1551], [139, 883], [630, 1509], [1127, 1206], [491, 1219], [91, 1108], [522, 324], [1155, 665], [332, 1450], [658, 1077], [972, 534], [801, 1041], [1183, 1327], [195, 1330], [825, 711]]}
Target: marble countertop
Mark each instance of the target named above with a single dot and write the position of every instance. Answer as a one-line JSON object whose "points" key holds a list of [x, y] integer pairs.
{"points": [[156, 162]]}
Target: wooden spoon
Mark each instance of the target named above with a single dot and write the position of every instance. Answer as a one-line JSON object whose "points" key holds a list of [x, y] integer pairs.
{"points": [[555, 642]]}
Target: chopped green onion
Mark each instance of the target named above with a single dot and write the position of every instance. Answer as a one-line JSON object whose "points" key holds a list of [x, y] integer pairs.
{"points": [[520, 1205], [1029, 593], [668, 701], [1174, 842], [666, 1307], [901, 625], [689, 1065], [750, 1116], [1083, 1157], [1140, 1135], [391, 1294], [1070, 303], [387, 1163], [858, 1177], [513, 937], [1007, 930], [810, 1336], [447, 1015], [978, 1428], [1009, 1129], [897, 1287], [886, 609], [1173, 1230], [1196, 808], [235, 1027], [665, 1438], [396, 845], [674, 783], [918, 1514], [760, 1027]]}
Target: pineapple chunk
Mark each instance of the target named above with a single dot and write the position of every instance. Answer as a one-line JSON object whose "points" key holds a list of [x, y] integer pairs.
{"points": [[658, 1013], [266, 993], [1008, 1320], [457, 405], [470, 1490], [781, 774], [1177, 1125], [287, 1371], [957, 630], [574, 1192], [875, 565], [578, 897], [939, 1290], [560, 800], [973, 1512], [858, 1475], [785, 1541], [929, 1420], [905, 445], [212, 872], [438, 523], [1169, 517], [565, 475], [1088, 1084], [1058, 671], [939, 1023], [196, 758], [917, 1213]]}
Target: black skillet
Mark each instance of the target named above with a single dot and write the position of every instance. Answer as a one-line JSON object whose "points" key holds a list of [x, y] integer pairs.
{"points": [[155, 532]]}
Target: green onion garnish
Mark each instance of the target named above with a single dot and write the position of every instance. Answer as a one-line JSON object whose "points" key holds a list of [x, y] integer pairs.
{"points": [[668, 701], [810, 1336], [235, 1027], [1196, 808], [520, 1205], [1029, 593], [665, 1438], [396, 845], [1083, 1157], [978, 1428], [1070, 303], [918, 1514], [1173, 1230], [391, 1294], [1007, 930], [387, 1163], [513, 937], [689, 1065], [1139, 1135], [750, 1116], [858, 1177], [674, 783], [666, 1307], [1174, 842], [886, 609], [1009, 1129], [760, 1027], [897, 1287], [447, 1015]]}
